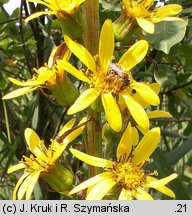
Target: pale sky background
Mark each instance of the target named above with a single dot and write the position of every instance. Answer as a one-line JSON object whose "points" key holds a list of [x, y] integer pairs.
{"points": [[13, 4]]}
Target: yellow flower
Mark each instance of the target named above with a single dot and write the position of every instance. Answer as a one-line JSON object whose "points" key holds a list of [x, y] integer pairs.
{"points": [[126, 175], [112, 81], [51, 77], [56, 6], [139, 10], [43, 162]]}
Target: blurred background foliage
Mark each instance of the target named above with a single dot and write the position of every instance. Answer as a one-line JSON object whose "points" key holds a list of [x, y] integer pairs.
{"points": [[24, 46]]}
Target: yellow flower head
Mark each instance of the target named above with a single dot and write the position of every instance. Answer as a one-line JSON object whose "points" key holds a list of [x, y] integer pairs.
{"points": [[112, 81], [139, 10], [51, 77], [126, 175], [56, 6], [43, 162]]}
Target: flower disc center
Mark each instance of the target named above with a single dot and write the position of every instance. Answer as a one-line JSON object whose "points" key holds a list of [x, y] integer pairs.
{"points": [[129, 176], [113, 81]]}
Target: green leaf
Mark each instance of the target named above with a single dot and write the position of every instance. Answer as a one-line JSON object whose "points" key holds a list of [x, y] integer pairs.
{"points": [[187, 10], [109, 6], [3, 14], [3, 82], [165, 169], [10, 156], [165, 75], [179, 152], [167, 34]]}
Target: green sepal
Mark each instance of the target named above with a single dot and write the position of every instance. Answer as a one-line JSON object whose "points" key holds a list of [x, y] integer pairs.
{"points": [[71, 25], [64, 92], [97, 105], [59, 178]]}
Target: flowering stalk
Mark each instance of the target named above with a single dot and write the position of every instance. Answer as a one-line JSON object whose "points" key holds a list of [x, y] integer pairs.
{"points": [[91, 40], [91, 37]]}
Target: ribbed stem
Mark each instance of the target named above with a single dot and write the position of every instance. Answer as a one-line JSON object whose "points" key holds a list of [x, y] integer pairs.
{"points": [[91, 37], [91, 40]]}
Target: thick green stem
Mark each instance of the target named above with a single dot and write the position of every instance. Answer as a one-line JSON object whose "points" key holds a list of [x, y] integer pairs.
{"points": [[91, 40], [91, 37], [94, 140]]}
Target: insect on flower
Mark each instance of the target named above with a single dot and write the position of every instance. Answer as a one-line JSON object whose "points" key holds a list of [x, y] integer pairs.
{"points": [[111, 81], [117, 70]]}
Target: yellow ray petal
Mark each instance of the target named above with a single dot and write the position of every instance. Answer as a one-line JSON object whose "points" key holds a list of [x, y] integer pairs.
{"points": [[165, 190], [146, 93], [153, 183], [154, 86], [161, 182], [91, 160], [140, 100], [18, 92], [74, 134], [58, 151], [135, 136], [159, 114], [113, 114], [91, 181], [156, 20], [24, 186], [33, 141], [45, 76], [134, 55], [37, 14], [136, 111], [125, 145], [18, 185], [31, 185], [146, 146], [72, 70], [24, 83], [146, 25], [125, 195], [84, 100], [168, 10], [82, 53], [67, 126], [106, 44], [141, 194], [16, 167], [98, 191]]}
